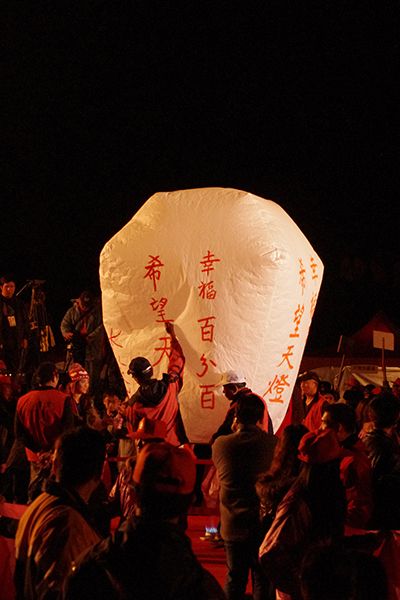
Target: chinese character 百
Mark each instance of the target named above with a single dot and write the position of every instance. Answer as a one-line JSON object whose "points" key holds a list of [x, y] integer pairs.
{"points": [[286, 356], [207, 398], [204, 362], [208, 261], [298, 313], [207, 329], [153, 270], [206, 290], [276, 387]]}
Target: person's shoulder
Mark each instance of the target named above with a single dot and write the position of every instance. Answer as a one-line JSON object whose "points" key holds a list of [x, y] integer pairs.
{"points": [[51, 394], [47, 513], [222, 442], [22, 399]]}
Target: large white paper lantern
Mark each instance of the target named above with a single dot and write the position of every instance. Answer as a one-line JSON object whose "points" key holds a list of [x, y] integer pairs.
{"points": [[238, 279]]}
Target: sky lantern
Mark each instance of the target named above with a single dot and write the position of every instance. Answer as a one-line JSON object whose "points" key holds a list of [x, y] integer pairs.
{"points": [[238, 279]]}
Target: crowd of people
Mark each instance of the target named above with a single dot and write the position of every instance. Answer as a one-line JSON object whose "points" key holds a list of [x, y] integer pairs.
{"points": [[305, 514]]}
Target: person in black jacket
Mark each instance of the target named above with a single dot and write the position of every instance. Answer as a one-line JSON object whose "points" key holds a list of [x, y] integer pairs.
{"points": [[14, 325], [383, 450]]}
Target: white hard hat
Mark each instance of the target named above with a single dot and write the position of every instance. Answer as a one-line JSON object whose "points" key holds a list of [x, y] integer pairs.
{"points": [[232, 377]]}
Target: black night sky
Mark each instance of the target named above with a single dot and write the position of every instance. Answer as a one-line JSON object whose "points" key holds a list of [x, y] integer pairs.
{"points": [[106, 103]]}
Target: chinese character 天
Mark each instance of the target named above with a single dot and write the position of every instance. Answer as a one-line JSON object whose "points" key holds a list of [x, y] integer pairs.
{"points": [[164, 350]]}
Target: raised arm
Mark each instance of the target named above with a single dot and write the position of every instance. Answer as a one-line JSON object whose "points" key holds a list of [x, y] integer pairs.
{"points": [[176, 359]]}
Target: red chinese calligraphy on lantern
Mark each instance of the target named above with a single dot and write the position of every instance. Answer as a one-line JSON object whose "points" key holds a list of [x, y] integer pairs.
{"points": [[302, 276], [159, 306], [153, 271], [207, 396], [298, 314], [276, 388], [207, 291], [164, 350], [314, 268], [204, 361], [313, 303], [286, 357], [207, 329], [113, 337], [208, 262]]}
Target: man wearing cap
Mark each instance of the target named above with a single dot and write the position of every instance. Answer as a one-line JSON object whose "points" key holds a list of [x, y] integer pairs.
{"points": [[150, 557], [158, 398], [232, 383], [313, 402], [240, 458]]}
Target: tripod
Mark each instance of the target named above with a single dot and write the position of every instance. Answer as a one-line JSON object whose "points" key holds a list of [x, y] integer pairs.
{"points": [[42, 339]]}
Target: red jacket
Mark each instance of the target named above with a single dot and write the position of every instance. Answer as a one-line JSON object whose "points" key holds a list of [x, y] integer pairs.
{"points": [[42, 416], [158, 399], [313, 418], [355, 473]]}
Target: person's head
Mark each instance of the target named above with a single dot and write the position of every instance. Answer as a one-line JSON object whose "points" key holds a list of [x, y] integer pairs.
{"points": [[384, 410], [232, 382], [353, 396], [368, 391], [285, 459], [309, 384], [111, 402], [396, 388], [325, 387], [85, 301], [319, 447], [352, 383], [7, 285], [326, 390], [164, 479], [140, 369], [341, 418], [46, 375], [249, 409], [78, 379], [79, 457]]}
